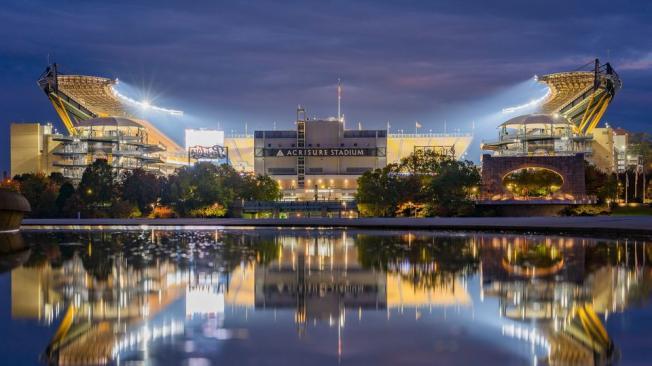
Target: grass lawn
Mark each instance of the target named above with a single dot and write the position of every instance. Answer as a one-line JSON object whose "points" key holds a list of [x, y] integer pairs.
{"points": [[632, 211]]}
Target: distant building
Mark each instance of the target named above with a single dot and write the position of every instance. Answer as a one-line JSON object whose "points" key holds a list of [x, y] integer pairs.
{"points": [[624, 154], [603, 153]]}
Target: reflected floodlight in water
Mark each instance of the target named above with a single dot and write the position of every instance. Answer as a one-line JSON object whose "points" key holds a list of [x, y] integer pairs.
{"points": [[203, 300], [145, 104], [531, 104]]}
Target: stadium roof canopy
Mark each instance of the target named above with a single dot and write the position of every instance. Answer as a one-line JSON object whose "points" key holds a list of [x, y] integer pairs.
{"points": [[582, 96], [109, 121], [537, 119], [564, 87], [94, 93]]}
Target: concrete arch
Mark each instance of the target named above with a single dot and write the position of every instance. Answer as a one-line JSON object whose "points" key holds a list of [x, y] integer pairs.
{"points": [[570, 168]]}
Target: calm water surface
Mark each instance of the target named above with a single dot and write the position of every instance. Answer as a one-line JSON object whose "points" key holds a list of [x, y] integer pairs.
{"points": [[323, 297]]}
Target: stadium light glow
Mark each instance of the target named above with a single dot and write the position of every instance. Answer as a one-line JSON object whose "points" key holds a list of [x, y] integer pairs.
{"points": [[531, 104], [146, 104]]}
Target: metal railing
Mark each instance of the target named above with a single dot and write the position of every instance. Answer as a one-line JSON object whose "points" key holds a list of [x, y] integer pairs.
{"points": [[298, 206], [430, 134]]}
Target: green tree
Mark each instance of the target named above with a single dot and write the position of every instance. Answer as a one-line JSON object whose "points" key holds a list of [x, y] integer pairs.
{"points": [[196, 187], [600, 184], [380, 191], [41, 191], [141, 188], [422, 162], [425, 179], [98, 184], [259, 188], [66, 192], [449, 192]]}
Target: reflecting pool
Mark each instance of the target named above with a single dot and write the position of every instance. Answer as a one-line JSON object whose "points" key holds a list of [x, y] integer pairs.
{"points": [[322, 297]]}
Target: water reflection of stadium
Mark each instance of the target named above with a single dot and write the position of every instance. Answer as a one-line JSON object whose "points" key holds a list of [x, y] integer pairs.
{"points": [[109, 298]]}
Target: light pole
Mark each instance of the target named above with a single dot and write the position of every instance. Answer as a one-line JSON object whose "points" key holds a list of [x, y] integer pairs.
{"points": [[626, 187]]}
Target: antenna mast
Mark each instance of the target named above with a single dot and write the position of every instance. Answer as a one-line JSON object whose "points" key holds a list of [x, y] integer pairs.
{"points": [[339, 100]]}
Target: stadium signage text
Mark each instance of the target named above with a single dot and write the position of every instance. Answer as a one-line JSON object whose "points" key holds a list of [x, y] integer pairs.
{"points": [[214, 152], [336, 151]]}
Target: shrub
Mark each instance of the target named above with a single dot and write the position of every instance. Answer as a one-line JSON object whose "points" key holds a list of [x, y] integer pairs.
{"points": [[124, 209], [585, 210], [214, 210], [162, 212]]}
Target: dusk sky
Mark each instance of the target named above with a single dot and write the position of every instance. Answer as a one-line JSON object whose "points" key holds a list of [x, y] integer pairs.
{"points": [[236, 62]]}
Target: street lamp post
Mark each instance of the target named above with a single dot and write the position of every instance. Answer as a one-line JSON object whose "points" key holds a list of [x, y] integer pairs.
{"points": [[626, 187]]}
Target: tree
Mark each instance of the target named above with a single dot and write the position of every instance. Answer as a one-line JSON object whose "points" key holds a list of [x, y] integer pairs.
{"points": [[380, 191], [259, 188], [600, 184], [141, 188], [41, 191], [422, 162], [198, 186], [640, 144], [425, 180], [449, 191], [98, 184], [66, 192]]}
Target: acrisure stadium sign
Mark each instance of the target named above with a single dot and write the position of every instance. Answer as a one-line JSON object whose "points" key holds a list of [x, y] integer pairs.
{"points": [[327, 152]]}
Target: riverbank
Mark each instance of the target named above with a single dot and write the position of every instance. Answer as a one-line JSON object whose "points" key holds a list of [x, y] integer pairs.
{"points": [[603, 225]]}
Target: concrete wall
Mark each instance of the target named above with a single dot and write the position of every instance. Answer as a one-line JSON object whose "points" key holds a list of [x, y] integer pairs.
{"points": [[31, 147], [571, 169], [25, 148]]}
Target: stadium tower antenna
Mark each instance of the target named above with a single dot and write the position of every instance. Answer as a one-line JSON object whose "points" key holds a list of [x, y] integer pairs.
{"points": [[339, 99]]}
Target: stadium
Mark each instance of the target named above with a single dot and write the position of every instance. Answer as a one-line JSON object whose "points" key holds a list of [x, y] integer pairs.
{"points": [[89, 107]]}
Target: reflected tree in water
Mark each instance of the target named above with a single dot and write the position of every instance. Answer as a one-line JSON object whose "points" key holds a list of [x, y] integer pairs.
{"points": [[428, 262]]}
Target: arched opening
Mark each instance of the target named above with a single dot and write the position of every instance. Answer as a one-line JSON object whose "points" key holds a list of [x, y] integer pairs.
{"points": [[532, 182]]}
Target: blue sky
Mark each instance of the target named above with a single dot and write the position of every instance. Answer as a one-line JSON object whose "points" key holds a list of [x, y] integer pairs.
{"points": [[254, 61]]}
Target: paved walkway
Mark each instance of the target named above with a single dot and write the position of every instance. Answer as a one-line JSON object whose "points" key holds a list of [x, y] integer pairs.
{"points": [[610, 225]]}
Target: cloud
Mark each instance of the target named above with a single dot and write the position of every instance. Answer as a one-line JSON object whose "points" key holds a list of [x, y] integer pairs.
{"points": [[256, 60], [642, 63]]}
